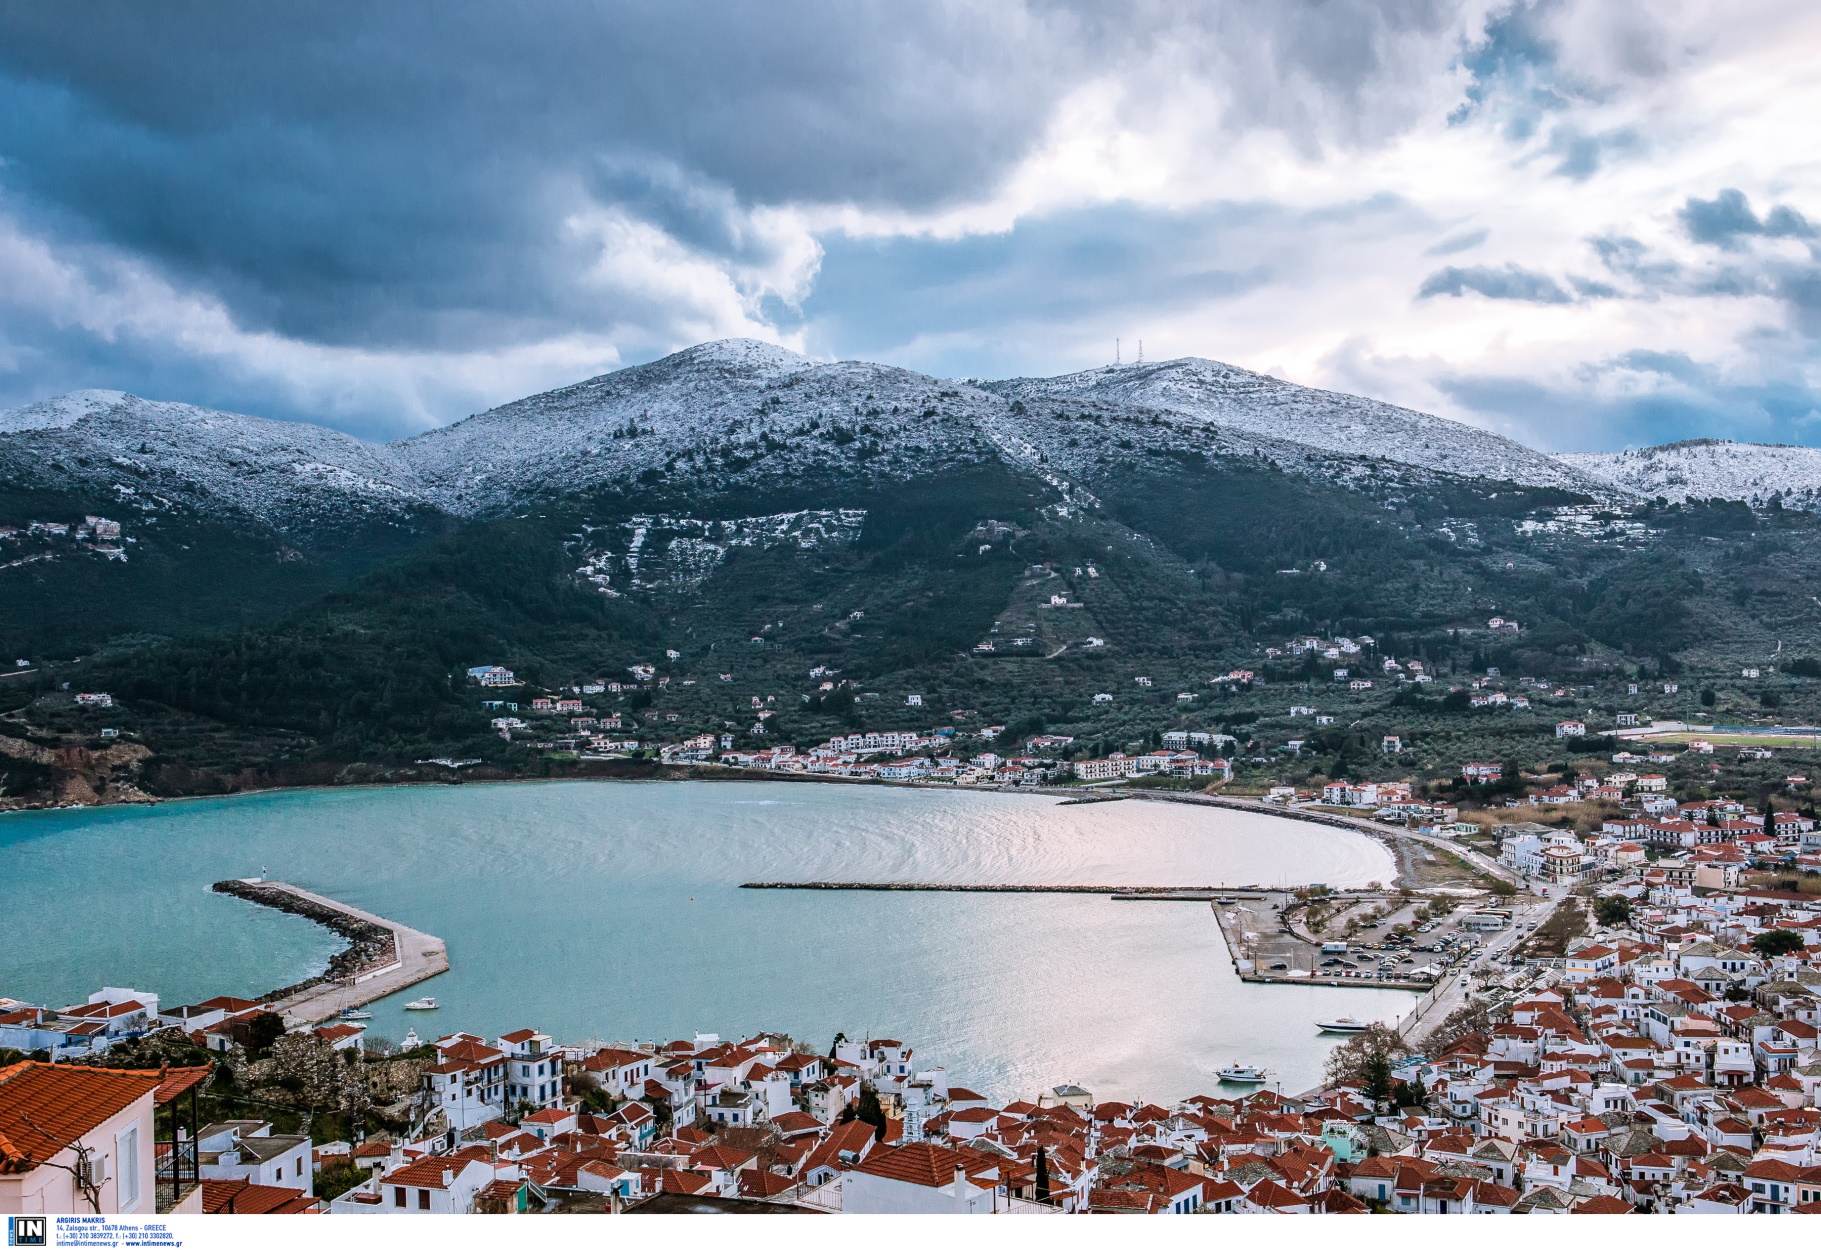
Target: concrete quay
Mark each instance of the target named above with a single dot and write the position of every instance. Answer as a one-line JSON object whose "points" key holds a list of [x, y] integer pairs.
{"points": [[414, 956]]}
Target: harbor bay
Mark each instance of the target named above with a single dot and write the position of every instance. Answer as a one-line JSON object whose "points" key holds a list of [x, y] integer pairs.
{"points": [[614, 911]]}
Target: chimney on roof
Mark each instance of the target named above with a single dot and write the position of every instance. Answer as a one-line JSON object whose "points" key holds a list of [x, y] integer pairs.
{"points": [[448, 1177], [960, 1189]]}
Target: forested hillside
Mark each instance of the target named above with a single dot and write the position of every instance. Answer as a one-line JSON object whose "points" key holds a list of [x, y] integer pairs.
{"points": [[786, 569]]}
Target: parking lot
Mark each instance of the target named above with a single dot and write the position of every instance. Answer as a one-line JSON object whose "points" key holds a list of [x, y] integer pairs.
{"points": [[1384, 939]]}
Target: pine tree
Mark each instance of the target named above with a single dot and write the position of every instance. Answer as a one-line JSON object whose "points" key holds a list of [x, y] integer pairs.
{"points": [[871, 1112]]}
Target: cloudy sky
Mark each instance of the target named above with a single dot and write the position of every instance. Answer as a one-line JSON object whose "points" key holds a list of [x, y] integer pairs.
{"points": [[1587, 225]]}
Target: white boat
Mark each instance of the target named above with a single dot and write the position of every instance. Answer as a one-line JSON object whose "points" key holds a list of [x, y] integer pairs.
{"points": [[1242, 1074], [355, 1013], [421, 1004], [1346, 1024]]}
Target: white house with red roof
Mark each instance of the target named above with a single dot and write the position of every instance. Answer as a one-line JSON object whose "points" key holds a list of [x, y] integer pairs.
{"points": [[57, 1121], [1589, 963], [917, 1179], [534, 1070], [341, 1036], [468, 1081], [622, 1073], [436, 1185]]}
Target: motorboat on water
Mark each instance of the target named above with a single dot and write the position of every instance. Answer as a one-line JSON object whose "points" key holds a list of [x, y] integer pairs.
{"points": [[355, 1013], [421, 1004], [1346, 1024], [1242, 1074]]}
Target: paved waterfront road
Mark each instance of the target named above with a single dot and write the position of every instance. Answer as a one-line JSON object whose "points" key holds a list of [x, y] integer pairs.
{"points": [[1451, 991], [1482, 862]]}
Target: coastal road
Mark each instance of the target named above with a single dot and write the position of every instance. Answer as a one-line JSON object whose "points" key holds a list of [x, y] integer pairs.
{"points": [[1482, 862], [1450, 993]]}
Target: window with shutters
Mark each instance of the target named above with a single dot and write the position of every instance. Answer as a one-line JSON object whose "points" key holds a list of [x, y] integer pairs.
{"points": [[127, 1151]]}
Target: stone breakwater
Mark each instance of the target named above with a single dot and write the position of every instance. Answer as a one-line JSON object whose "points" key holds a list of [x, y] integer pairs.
{"points": [[370, 945]]}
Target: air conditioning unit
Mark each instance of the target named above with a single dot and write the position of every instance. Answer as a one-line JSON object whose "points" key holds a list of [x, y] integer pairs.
{"points": [[91, 1170]]}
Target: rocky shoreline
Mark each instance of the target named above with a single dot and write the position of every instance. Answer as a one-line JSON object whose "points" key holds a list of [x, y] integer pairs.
{"points": [[369, 945]]}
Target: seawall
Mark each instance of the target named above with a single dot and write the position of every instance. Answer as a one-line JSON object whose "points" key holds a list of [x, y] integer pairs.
{"points": [[382, 956]]}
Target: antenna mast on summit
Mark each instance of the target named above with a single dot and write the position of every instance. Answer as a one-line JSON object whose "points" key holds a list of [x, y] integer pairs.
{"points": [[1115, 353], [1141, 351]]}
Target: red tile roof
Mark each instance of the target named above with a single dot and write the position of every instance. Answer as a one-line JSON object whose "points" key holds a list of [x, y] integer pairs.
{"points": [[759, 1184], [917, 1163], [239, 1197], [45, 1106], [175, 1081], [1603, 1204], [721, 1158]]}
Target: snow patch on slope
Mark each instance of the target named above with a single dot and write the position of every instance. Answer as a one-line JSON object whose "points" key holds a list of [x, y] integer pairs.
{"points": [[738, 410], [285, 474], [1711, 469], [60, 411], [750, 415], [1224, 395]]}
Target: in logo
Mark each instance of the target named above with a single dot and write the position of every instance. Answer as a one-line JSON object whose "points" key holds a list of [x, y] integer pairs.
{"points": [[26, 1230]]}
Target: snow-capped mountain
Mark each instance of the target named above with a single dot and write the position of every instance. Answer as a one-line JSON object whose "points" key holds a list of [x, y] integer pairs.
{"points": [[744, 408], [1707, 468], [282, 473], [720, 412], [740, 413], [1235, 399]]}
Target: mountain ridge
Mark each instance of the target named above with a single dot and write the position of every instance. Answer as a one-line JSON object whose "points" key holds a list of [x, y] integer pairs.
{"points": [[778, 549], [1328, 421], [1707, 468], [739, 411]]}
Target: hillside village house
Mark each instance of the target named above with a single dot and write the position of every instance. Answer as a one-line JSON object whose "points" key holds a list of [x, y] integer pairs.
{"points": [[76, 1140], [1556, 856], [248, 1150]]}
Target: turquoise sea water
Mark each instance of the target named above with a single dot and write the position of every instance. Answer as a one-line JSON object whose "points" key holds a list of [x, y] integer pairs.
{"points": [[610, 910]]}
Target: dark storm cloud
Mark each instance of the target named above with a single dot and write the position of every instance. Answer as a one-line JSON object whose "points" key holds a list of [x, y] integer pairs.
{"points": [[1511, 282], [385, 216], [401, 173], [405, 176], [1727, 219], [1728, 223]]}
